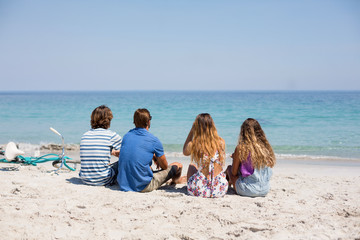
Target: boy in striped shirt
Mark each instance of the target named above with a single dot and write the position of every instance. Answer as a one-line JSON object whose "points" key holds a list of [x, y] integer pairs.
{"points": [[96, 147]]}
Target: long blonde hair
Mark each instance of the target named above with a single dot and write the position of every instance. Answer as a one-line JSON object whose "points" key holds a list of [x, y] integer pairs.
{"points": [[252, 140], [206, 141]]}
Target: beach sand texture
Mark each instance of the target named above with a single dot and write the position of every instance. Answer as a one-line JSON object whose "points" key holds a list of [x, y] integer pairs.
{"points": [[305, 202]]}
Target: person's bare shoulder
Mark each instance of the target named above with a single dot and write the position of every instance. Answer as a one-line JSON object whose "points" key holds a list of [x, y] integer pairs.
{"points": [[186, 149]]}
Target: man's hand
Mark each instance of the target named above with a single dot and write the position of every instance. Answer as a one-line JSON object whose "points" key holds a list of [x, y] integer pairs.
{"points": [[115, 153], [156, 162]]}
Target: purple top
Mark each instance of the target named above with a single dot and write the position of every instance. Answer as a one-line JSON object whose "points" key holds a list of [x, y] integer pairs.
{"points": [[246, 168]]}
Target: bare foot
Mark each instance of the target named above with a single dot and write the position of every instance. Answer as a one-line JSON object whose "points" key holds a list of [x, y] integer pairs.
{"points": [[181, 180]]}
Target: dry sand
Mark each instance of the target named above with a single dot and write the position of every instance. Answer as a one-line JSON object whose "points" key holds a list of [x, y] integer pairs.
{"points": [[306, 201]]}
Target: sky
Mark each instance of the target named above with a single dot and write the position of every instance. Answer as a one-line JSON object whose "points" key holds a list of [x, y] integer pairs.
{"points": [[179, 45]]}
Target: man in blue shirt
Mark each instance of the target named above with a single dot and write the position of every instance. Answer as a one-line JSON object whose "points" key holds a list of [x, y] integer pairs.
{"points": [[139, 148]]}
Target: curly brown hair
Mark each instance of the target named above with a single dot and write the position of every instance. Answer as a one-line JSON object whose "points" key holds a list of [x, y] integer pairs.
{"points": [[101, 117], [252, 140]]}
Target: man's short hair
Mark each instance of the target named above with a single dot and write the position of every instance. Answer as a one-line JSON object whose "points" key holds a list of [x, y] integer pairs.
{"points": [[142, 117], [101, 117]]}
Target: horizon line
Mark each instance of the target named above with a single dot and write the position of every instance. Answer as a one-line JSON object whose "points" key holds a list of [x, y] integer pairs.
{"points": [[172, 90]]}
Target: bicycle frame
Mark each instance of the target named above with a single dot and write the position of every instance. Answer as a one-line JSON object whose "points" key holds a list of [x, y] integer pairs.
{"points": [[63, 150]]}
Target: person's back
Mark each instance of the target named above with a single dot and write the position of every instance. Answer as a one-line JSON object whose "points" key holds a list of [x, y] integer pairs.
{"points": [[95, 149], [253, 159], [255, 185], [207, 149], [139, 148]]}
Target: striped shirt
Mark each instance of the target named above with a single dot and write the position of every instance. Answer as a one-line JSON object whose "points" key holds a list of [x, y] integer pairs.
{"points": [[95, 147]]}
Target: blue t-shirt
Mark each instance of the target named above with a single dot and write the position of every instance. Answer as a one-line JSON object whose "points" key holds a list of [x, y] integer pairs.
{"points": [[137, 150]]}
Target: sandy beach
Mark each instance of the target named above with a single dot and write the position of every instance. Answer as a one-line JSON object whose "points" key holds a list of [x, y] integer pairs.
{"points": [[306, 201]]}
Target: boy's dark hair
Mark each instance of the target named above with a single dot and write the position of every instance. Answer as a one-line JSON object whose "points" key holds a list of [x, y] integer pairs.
{"points": [[142, 117], [101, 117]]}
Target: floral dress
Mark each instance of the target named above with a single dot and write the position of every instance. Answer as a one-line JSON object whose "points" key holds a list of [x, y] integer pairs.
{"points": [[198, 185]]}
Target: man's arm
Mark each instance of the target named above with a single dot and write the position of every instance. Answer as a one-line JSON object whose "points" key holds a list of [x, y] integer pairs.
{"points": [[162, 162]]}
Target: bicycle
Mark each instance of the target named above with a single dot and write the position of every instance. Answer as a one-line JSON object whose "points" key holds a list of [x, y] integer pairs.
{"points": [[58, 161]]}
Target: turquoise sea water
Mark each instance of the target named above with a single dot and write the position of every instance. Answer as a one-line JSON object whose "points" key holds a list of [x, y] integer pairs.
{"points": [[315, 124]]}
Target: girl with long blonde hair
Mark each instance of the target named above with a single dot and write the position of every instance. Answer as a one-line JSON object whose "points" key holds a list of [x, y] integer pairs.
{"points": [[206, 177], [253, 159]]}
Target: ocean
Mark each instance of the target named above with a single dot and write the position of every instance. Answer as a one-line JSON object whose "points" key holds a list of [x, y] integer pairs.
{"points": [[299, 124]]}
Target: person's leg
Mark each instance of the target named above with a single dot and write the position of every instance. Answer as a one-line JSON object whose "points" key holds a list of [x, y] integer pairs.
{"points": [[191, 170], [114, 166], [160, 177], [177, 179]]}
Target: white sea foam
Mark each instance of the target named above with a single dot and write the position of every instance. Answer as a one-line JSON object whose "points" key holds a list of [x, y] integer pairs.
{"points": [[312, 157], [33, 149], [36, 149]]}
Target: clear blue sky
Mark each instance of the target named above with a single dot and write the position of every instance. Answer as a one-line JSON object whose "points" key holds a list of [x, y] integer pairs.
{"points": [[180, 45]]}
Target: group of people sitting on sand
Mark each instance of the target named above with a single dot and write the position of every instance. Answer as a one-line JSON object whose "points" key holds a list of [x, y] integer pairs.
{"points": [[249, 174]]}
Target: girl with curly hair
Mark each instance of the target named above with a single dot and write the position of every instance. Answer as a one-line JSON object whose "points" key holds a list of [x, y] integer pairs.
{"points": [[253, 159]]}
